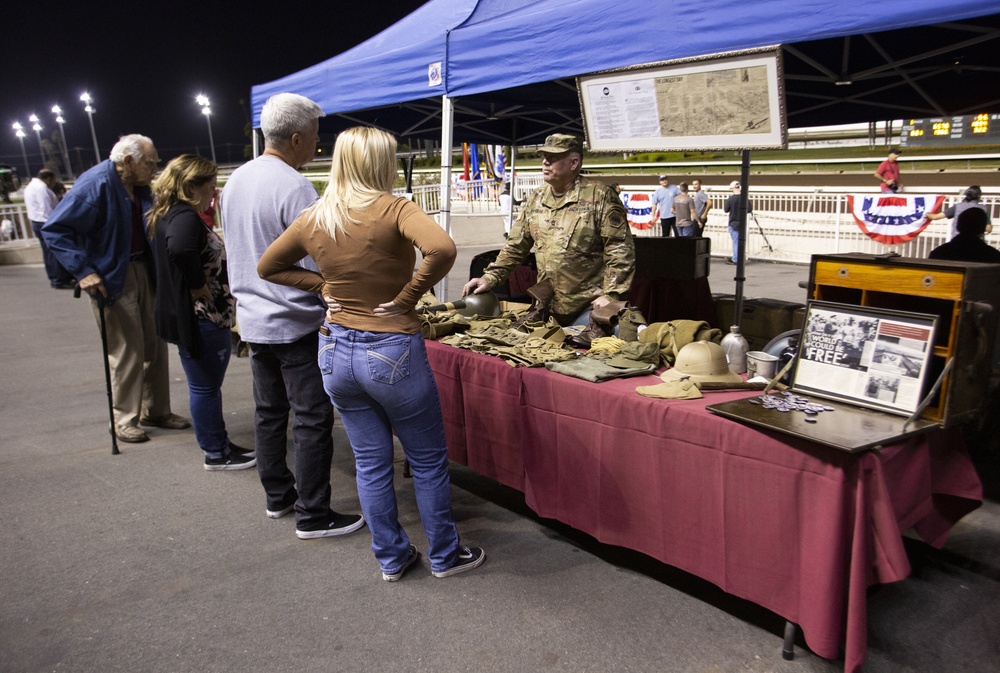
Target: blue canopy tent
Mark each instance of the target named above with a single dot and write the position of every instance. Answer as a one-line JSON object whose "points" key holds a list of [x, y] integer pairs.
{"points": [[505, 66]]}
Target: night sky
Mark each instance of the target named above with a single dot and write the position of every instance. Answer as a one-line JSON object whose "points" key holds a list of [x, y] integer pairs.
{"points": [[144, 63]]}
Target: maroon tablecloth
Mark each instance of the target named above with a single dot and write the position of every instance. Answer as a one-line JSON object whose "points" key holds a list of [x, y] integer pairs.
{"points": [[798, 528]]}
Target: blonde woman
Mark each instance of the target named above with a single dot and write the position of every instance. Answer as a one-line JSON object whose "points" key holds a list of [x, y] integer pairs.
{"points": [[371, 352], [194, 308]]}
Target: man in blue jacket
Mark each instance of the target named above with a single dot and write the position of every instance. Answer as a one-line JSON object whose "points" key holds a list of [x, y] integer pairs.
{"points": [[98, 234]]}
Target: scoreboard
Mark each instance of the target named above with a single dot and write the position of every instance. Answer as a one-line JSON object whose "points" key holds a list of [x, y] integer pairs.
{"points": [[980, 129]]}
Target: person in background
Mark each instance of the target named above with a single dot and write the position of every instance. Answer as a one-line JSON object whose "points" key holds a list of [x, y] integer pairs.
{"points": [[684, 211], [888, 172], [40, 200], [702, 204], [968, 245], [579, 229], [507, 202], [371, 352], [663, 206], [99, 236], [732, 206], [281, 324], [970, 200], [194, 308]]}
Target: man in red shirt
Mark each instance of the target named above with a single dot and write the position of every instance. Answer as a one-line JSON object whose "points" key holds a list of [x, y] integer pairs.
{"points": [[888, 172]]}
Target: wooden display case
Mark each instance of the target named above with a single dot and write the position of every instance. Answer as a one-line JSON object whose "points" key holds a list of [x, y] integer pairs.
{"points": [[964, 295]]}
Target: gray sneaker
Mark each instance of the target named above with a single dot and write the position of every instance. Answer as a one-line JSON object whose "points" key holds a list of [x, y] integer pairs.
{"points": [[468, 558]]}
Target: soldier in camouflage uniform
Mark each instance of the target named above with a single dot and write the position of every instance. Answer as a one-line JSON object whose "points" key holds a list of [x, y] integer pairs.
{"points": [[579, 229]]}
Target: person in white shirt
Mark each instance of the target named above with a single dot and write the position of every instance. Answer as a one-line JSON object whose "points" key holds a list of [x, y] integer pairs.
{"points": [[40, 201]]}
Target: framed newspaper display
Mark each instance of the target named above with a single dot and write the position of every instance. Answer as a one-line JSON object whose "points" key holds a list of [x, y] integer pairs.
{"points": [[730, 101], [871, 357]]}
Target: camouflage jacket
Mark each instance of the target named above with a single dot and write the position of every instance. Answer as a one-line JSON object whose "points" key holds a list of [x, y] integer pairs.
{"points": [[582, 243]]}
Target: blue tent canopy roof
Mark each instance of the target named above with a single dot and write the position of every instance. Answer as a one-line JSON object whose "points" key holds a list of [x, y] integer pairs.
{"points": [[495, 53]]}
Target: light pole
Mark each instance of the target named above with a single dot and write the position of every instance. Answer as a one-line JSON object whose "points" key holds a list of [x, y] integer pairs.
{"points": [[37, 128], [57, 111], [89, 109], [206, 109], [19, 131]]}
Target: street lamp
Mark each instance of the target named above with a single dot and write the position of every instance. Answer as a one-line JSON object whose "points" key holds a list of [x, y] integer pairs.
{"points": [[206, 109], [89, 109], [19, 131], [57, 111], [38, 135]]}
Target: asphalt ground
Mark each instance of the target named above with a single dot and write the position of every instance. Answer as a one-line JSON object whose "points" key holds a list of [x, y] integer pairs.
{"points": [[145, 562]]}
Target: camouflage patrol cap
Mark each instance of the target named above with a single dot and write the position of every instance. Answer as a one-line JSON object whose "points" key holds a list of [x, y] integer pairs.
{"points": [[557, 143]]}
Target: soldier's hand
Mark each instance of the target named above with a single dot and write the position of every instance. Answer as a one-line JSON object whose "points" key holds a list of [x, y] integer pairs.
{"points": [[390, 309], [92, 284], [603, 300], [475, 286]]}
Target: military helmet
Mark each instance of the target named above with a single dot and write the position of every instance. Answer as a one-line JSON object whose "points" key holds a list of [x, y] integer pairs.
{"points": [[702, 361]]}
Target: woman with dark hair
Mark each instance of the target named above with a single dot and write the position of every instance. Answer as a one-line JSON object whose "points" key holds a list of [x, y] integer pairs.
{"points": [[371, 351], [194, 308]]}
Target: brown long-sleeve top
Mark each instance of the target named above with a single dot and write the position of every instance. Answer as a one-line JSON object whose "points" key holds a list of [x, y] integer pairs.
{"points": [[372, 264]]}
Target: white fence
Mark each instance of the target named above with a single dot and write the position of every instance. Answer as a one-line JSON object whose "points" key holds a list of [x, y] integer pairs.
{"points": [[787, 226], [20, 226]]}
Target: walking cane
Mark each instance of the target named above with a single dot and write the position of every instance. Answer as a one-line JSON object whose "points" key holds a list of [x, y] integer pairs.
{"points": [[107, 369]]}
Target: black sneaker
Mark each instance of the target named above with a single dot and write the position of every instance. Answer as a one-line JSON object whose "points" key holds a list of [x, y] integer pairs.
{"points": [[281, 510], [241, 450], [233, 461], [410, 561], [468, 558], [337, 524]]}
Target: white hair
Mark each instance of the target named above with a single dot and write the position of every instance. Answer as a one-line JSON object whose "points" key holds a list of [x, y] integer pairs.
{"points": [[133, 145], [286, 114]]}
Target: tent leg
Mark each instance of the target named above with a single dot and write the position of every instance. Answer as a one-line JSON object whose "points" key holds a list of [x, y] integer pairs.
{"points": [[742, 238], [447, 139]]}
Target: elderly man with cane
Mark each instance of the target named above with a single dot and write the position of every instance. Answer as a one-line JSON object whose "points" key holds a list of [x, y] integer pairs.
{"points": [[98, 234]]}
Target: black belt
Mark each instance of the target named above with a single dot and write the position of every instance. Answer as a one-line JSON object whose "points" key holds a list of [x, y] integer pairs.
{"points": [[138, 256]]}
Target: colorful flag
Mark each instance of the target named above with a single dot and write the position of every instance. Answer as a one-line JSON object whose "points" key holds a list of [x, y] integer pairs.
{"points": [[893, 219]]}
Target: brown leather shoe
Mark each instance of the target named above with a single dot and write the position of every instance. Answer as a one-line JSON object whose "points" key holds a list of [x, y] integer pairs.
{"points": [[130, 434], [170, 422]]}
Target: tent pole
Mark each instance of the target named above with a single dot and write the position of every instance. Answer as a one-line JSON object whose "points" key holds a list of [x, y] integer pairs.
{"points": [[513, 164], [256, 147], [447, 139], [742, 244]]}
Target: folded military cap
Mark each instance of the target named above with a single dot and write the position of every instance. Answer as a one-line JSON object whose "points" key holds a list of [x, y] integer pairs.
{"points": [[557, 143]]}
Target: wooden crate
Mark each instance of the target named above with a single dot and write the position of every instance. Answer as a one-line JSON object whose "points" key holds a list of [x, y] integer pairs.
{"points": [[954, 291], [675, 258]]}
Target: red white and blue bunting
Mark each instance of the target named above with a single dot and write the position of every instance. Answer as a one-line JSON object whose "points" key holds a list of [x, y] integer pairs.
{"points": [[893, 219], [639, 206]]}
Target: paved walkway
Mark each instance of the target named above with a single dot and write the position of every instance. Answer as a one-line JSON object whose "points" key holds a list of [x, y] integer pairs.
{"points": [[144, 562]]}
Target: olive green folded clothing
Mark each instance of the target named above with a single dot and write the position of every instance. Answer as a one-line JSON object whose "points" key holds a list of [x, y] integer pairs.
{"points": [[594, 370]]}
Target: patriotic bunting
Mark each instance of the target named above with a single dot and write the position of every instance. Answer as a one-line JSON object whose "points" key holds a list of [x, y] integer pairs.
{"points": [[893, 219], [640, 210]]}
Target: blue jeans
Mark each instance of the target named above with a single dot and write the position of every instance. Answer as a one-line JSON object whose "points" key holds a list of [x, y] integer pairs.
{"points": [[734, 233], [286, 378], [685, 231], [205, 375], [381, 383]]}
